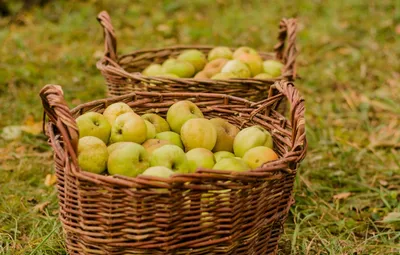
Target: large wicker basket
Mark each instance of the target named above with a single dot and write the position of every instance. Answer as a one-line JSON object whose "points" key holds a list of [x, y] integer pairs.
{"points": [[122, 73], [207, 212]]}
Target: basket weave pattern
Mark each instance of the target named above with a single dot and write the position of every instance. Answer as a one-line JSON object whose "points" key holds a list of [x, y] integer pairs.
{"points": [[207, 212], [122, 74]]}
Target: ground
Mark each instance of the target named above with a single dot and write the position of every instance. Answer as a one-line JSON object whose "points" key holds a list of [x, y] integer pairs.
{"points": [[347, 189]]}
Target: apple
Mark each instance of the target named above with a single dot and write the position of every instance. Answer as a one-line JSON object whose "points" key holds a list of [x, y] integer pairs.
{"points": [[151, 130], [231, 164], [253, 61], [168, 75], [94, 124], [257, 156], [114, 110], [170, 136], [226, 133], [223, 154], [153, 70], [159, 122], [194, 57], [263, 76], [237, 68], [172, 157], [128, 127], [114, 146], [153, 144], [180, 112], [200, 158], [251, 137], [215, 66], [273, 67], [244, 49], [220, 52], [201, 75], [92, 154], [180, 68], [198, 133], [224, 76], [129, 160], [158, 171]]}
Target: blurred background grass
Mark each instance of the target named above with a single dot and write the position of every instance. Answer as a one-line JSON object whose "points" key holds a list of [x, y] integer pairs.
{"points": [[347, 190]]}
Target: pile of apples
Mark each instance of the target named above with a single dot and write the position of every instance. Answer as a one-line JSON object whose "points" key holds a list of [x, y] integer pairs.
{"points": [[119, 141], [220, 64]]}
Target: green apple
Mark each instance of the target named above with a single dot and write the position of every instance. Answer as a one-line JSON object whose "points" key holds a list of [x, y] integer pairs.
{"points": [[158, 171], [170, 136], [231, 164], [129, 160], [153, 70], [114, 110], [194, 57], [172, 157], [92, 154], [223, 154], [257, 156], [251, 137], [198, 133], [253, 61], [180, 68], [263, 76], [153, 144], [224, 76], [273, 67], [200, 158], [161, 172], [220, 52], [214, 67], [151, 130], [226, 133], [128, 127], [114, 146], [180, 112], [244, 49], [94, 124], [159, 122], [237, 68], [168, 75]]}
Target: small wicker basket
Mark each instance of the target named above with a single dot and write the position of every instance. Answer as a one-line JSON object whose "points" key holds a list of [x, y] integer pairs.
{"points": [[207, 212], [122, 73]]}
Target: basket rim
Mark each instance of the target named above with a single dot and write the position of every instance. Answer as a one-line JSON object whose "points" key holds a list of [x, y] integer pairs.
{"points": [[108, 65], [281, 165]]}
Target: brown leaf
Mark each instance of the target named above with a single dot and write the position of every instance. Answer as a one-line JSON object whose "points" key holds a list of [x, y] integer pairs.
{"points": [[40, 207], [50, 180], [398, 29], [340, 196]]}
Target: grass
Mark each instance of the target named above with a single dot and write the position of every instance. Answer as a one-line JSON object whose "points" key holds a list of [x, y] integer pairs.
{"points": [[350, 54]]}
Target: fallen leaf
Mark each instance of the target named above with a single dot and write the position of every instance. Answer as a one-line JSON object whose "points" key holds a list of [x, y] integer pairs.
{"points": [[40, 207], [383, 182], [50, 180], [340, 196], [11, 132], [32, 127]]}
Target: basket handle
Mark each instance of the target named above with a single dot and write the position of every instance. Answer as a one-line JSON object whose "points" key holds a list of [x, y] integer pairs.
{"points": [[297, 110], [288, 54], [58, 112], [110, 42]]}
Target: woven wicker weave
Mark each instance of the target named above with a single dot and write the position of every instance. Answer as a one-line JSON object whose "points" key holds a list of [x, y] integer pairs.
{"points": [[123, 76], [207, 212]]}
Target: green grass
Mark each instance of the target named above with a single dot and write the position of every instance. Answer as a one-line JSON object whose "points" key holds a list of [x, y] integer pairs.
{"points": [[348, 63]]}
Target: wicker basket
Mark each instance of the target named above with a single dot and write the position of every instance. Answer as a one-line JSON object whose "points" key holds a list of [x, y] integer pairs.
{"points": [[123, 75], [207, 212]]}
